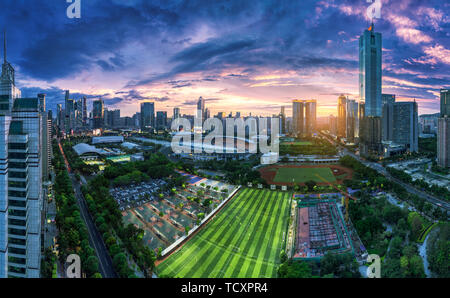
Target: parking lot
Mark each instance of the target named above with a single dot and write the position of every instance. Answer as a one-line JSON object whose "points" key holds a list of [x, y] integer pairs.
{"points": [[137, 194]]}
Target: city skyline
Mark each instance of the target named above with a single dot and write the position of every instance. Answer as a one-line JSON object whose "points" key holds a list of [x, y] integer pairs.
{"points": [[192, 50]]}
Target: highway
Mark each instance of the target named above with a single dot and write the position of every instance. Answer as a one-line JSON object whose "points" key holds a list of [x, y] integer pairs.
{"points": [[380, 169], [95, 238]]}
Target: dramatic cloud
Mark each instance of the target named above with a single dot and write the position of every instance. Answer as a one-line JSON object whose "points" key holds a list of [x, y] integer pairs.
{"points": [[252, 56]]}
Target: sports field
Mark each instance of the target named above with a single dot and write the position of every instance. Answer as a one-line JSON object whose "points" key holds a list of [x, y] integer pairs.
{"points": [[244, 240], [301, 175]]}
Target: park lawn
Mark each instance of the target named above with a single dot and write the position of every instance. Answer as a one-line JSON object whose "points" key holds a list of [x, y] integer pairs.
{"points": [[301, 175], [244, 240]]}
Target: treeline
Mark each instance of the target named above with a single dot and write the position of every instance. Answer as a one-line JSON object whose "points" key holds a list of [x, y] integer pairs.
{"points": [[365, 177], [439, 191], [119, 238], [75, 162], [156, 166], [73, 235], [330, 266], [438, 251], [236, 171], [318, 147], [397, 246]]}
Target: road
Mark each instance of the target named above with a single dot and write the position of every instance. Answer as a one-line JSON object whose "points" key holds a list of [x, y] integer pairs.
{"points": [[95, 238], [380, 169]]}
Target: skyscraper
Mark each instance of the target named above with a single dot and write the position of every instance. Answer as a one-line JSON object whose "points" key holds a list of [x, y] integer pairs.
{"points": [[147, 114], [443, 140], [387, 108], [351, 120], [405, 125], [201, 108], [98, 113], [370, 92], [85, 116], [46, 137], [176, 113], [161, 119], [20, 178], [282, 119], [304, 116], [60, 116], [342, 117]]}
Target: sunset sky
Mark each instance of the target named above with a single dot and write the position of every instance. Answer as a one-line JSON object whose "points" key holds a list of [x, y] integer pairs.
{"points": [[248, 56]]}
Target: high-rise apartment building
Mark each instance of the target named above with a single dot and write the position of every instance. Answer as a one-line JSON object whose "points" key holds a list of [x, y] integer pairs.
{"points": [[304, 116], [351, 120], [342, 117]]}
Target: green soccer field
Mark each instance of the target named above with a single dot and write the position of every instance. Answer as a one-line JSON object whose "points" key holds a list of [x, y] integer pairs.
{"points": [[301, 175], [244, 240]]}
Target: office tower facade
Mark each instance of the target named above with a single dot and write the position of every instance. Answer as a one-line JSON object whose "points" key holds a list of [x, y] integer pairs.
{"points": [[201, 108], [443, 139], [20, 179], [351, 120], [387, 98], [445, 102], [304, 116], [98, 113], [46, 138], [79, 114], [84, 113], [282, 119], [59, 116], [161, 120], [147, 114], [387, 101], [405, 125], [370, 92], [342, 117], [332, 125], [137, 119], [176, 113]]}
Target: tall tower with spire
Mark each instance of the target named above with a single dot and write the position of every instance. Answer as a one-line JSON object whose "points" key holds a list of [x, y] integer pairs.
{"points": [[8, 90], [370, 91], [7, 69]]}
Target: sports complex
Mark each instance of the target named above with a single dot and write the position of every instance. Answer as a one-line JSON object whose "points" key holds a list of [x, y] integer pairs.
{"points": [[299, 174], [244, 239]]}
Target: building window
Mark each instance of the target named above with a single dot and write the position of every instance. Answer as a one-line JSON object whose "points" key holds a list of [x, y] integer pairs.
{"points": [[17, 222], [17, 146], [16, 155], [18, 174], [17, 251], [16, 260], [18, 165], [17, 241], [16, 203], [16, 270], [17, 194], [21, 213], [17, 184]]}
